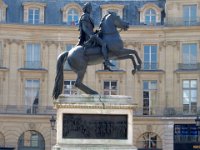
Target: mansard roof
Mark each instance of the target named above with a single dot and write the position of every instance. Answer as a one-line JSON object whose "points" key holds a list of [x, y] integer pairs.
{"points": [[53, 9]]}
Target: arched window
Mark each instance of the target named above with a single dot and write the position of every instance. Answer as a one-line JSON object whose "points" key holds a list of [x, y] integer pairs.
{"points": [[71, 13], [150, 17], [30, 140], [150, 14], [2, 140], [72, 17], [149, 140]]}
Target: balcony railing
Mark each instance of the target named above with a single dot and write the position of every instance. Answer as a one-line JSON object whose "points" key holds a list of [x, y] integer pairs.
{"points": [[27, 110], [195, 66], [33, 64], [168, 112], [175, 21], [149, 66]]}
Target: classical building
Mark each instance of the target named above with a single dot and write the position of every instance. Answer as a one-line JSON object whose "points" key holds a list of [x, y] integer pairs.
{"points": [[165, 33]]}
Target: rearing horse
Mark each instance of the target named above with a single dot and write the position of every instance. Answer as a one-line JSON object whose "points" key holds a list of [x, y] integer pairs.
{"points": [[79, 57]]}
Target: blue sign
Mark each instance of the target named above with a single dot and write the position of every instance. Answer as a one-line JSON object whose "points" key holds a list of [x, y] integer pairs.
{"points": [[186, 137]]}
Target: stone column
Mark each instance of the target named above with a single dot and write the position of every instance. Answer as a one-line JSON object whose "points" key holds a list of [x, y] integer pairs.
{"points": [[168, 143]]}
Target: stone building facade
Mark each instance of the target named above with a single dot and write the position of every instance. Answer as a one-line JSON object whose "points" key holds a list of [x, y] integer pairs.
{"points": [[165, 33]]}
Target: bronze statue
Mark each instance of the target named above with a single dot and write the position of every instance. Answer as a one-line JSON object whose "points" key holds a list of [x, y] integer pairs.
{"points": [[86, 26], [90, 53]]}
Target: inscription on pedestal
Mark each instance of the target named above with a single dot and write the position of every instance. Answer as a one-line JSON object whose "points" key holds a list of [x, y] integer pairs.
{"points": [[93, 126]]}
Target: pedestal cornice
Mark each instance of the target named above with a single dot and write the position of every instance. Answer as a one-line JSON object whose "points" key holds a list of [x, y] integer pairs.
{"points": [[95, 101]]}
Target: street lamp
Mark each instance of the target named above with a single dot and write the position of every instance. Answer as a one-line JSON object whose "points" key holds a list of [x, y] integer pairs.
{"points": [[53, 122]]}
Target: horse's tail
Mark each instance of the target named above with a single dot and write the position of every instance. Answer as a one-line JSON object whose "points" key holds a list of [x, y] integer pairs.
{"points": [[58, 85]]}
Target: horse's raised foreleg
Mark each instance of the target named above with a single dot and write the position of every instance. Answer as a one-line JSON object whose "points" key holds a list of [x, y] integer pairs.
{"points": [[81, 86], [134, 52], [125, 52], [133, 61]]}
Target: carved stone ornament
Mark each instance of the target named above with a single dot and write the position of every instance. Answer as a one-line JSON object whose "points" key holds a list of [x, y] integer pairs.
{"points": [[32, 126]]}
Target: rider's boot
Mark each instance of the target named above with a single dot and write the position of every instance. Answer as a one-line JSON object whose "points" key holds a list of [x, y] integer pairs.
{"points": [[107, 63]]}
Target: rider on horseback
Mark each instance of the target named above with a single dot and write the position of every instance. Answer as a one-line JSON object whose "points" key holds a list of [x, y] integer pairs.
{"points": [[86, 26]]}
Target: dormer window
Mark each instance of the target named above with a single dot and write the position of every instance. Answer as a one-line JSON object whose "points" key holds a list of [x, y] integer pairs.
{"points": [[118, 9], [3, 8], [150, 14], [72, 17], [71, 14], [33, 16], [150, 17], [34, 12]]}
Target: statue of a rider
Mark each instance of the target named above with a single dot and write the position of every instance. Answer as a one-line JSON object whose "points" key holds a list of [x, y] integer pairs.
{"points": [[86, 27]]}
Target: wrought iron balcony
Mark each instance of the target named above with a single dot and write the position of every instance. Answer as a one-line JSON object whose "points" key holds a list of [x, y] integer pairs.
{"points": [[33, 64], [195, 66], [175, 21], [27, 110], [167, 112]]}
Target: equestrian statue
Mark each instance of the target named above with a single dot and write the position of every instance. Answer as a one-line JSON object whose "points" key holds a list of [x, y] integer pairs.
{"points": [[94, 48]]}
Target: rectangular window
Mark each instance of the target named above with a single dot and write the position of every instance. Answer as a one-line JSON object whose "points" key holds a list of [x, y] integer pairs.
{"points": [[69, 87], [33, 56], [31, 95], [189, 96], [149, 97], [34, 16], [190, 14], [150, 57], [189, 53], [110, 88], [68, 48]]}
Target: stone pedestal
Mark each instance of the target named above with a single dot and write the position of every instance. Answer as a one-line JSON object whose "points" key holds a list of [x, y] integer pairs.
{"points": [[88, 122]]}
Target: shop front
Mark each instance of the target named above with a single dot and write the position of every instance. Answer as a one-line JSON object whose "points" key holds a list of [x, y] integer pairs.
{"points": [[186, 137]]}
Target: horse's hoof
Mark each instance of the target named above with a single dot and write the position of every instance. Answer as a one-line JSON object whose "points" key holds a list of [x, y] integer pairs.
{"points": [[133, 71]]}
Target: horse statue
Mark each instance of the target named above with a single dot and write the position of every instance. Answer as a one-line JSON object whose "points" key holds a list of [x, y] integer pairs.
{"points": [[79, 57]]}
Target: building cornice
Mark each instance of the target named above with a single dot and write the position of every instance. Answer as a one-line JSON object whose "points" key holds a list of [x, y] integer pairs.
{"points": [[75, 28]]}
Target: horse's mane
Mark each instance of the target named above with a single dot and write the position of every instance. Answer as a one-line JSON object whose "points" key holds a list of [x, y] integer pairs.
{"points": [[102, 20]]}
